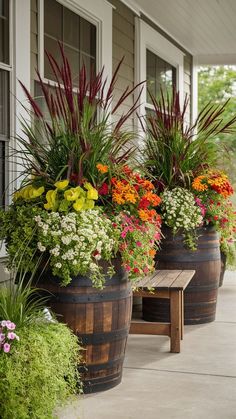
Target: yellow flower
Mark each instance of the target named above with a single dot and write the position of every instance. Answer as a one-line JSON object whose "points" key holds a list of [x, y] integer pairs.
{"points": [[51, 200], [26, 191], [79, 204], [72, 194], [35, 192], [16, 195], [88, 186], [89, 204], [92, 194], [62, 184]]}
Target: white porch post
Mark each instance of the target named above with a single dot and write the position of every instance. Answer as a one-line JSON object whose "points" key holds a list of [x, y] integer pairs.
{"points": [[194, 90], [21, 60]]}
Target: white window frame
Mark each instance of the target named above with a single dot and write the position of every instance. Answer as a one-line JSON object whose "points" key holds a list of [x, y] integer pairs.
{"points": [[99, 13], [146, 38], [20, 70]]}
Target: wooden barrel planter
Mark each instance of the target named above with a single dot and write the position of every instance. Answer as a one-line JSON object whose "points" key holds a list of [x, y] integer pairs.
{"points": [[100, 318], [201, 294], [223, 258]]}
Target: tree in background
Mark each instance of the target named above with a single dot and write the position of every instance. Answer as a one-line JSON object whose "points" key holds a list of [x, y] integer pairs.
{"points": [[216, 85]]}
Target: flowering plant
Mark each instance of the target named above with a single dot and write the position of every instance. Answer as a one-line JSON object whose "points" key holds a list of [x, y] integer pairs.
{"points": [[79, 201], [181, 213], [213, 190], [7, 335]]}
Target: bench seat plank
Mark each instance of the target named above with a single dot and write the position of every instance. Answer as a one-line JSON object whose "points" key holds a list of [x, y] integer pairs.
{"points": [[183, 280]]}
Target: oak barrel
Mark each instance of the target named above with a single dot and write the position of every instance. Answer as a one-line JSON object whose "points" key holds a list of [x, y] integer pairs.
{"points": [[200, 296], [223, 267], [100, 318]]}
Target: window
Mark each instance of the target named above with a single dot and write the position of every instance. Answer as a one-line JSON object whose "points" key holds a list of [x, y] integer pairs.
{"points": [[159, 62], [160, 75], [77, 34], [4, 94]]}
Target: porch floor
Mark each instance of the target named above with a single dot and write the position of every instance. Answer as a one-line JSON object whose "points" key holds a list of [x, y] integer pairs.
{"points": [[200, 382]]}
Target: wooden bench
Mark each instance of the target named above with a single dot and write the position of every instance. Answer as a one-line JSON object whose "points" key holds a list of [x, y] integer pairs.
{"points": [[168, 284]]}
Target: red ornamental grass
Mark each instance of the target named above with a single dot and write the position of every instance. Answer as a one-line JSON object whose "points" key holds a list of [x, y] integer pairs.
{"points": [[176, 151], [79, 133]]}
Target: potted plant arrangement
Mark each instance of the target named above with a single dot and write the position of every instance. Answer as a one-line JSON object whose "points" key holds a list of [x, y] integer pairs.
{"points": [[87, 212], [175, 154], [213, 190], [38, 355]]}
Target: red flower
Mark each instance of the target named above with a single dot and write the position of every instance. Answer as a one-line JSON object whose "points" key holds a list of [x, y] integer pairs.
{"points": [[144, 203], [104, 189], [136, 270], [216, 217]]}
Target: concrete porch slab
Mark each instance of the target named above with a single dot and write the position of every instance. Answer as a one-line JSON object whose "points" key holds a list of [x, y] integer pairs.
{"points": [[198, 383]]}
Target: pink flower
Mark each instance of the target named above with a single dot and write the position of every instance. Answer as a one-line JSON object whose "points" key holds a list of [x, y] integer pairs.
{"points": [[3, 323], [2, 337], [10, 325], [127, 268], [11, 335], [145, 270], [6, 347], [157, 236], [139, 244]]}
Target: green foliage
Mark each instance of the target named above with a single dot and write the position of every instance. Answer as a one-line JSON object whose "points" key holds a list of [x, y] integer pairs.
{"points": [[217, 84], [39, 373], [20, 302], [18, 227]]}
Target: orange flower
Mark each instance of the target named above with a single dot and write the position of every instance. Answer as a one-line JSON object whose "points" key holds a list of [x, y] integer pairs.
{"points": [[102, 168], [198, 185], [154, 199], [143, 215], [117, 197], [147, 215], [152, 252], [130, 197]]}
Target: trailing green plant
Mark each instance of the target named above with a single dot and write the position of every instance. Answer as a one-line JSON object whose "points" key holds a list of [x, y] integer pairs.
{"points": [[175, 152], [39, 373]]}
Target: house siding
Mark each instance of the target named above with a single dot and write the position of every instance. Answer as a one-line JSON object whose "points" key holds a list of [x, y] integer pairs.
{"points": [[187, 83], [123, 46]]}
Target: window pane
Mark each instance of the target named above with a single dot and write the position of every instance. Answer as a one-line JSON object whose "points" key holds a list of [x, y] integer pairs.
{"points": [[4, 31], [160, 74], [51, 46], [2, 174], [4, 103], [87, 38], [77, 34], [53, 19], [71, 25]]}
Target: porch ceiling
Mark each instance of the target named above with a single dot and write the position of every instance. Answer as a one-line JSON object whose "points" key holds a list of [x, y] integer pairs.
{"points": [[205, 28]]}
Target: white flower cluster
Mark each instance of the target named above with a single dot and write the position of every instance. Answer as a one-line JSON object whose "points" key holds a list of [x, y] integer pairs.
{"points": [[179, 210], [76, 241]]}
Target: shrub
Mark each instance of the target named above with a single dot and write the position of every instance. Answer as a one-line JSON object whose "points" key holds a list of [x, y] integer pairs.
{"points": [[39, 373]]}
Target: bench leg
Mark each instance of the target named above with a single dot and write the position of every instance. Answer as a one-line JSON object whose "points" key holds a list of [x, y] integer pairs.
{"points": [[181, 296], [175, 321]]}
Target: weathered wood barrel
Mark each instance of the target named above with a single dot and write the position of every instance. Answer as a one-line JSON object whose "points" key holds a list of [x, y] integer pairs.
{"points": [[200, 296], [100, 318], [223, 267]]}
